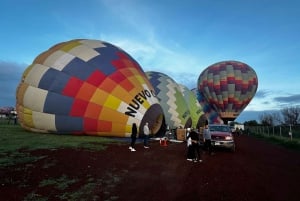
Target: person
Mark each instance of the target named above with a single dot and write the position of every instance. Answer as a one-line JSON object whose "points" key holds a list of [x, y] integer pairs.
{"points": [[133, 136], [146, 135], [190, 152], [195, 144], [207, 139]]}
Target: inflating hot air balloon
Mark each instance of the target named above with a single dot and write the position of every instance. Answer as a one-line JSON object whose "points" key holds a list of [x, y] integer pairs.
{"points": [[175, 109], [86, 87], [193, 105], [228, 87], [211, 115]]}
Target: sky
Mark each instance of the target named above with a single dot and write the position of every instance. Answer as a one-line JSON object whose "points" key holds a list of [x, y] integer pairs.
{"points": [[178, 38]]}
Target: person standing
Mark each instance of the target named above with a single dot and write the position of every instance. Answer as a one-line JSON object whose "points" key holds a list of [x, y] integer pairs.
{"points": [[190, 150], [196, 148], [207, 139], [146, 135], [133, 136]]}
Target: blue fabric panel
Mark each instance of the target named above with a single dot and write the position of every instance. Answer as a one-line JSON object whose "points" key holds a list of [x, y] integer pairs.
{"points": [[58, 104], [103, 62], [59, 83], [68, 124], [48, 78], [79, 69]]}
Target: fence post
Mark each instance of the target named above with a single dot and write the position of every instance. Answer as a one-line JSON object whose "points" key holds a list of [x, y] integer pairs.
{"points": [[280, 131], [290, 132]]}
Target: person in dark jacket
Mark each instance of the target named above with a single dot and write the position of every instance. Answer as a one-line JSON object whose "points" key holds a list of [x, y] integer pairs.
{"points": [[195, 144], [207, 140], [133, 137]]}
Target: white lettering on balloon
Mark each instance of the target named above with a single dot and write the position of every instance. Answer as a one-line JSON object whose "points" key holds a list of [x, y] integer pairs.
{"points": [[137, 101]]}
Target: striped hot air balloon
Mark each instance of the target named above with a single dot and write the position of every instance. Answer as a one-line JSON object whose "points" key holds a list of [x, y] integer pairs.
{"points": [[194, 106], [86, 87], [228, 87], [176, 111]]}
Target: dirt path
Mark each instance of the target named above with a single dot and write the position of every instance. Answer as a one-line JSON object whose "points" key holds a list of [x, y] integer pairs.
{"points": [[256, 171]]}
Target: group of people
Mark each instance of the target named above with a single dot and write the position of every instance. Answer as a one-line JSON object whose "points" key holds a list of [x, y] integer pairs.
{"points": [[194, 152], [134, 133]]}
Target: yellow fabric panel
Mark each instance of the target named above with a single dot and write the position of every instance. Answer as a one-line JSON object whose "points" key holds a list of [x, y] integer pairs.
{"points": [[70, 45], [140, 79], [118, 90], [28, 121], [99, 97], [138, 87], [117, 127], [111, 114], [112, 102]]}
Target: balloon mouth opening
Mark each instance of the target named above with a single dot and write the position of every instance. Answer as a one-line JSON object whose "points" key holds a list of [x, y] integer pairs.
{"points": [[201, 121], [227, 120], [154, 117], [188, 123]]}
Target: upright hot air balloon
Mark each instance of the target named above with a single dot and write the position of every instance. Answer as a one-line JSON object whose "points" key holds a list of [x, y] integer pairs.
{"points": [[168, 92], [211, 115], [194, 106], [228, 87], [86, 87]]}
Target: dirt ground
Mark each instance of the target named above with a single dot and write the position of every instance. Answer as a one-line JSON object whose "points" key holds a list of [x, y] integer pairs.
{"points": [[256, 171]]}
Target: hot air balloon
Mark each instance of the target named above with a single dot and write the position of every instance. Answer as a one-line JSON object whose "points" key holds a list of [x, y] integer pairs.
{"points": [[211, 115], [86, 87], [228, 87], [193, 105], [168, 92]]}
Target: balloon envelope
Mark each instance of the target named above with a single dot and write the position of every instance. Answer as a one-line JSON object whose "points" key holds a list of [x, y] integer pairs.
{"points": [[211, 115], [168, 92], [86, 87], [228, 87], [194, 106]]}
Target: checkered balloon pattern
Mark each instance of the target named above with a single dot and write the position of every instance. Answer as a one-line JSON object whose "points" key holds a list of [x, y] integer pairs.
{"points": [[176, 110], [228, 87], [85, 87]]}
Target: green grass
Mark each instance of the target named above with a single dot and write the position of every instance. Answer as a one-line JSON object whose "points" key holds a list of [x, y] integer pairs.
{"points": [[15, 142], [293, 144]]}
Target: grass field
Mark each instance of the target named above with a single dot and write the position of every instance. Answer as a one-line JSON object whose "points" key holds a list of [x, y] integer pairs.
{"points": [[13, 139]]}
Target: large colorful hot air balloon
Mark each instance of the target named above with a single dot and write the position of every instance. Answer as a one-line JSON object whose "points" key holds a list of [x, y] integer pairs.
{"points": [[168, 92], [193, 105], [86, 87], [211, 115], [228, 87]]}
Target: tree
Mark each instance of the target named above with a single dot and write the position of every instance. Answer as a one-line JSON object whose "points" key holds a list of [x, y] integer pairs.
{"points": [[251, 123], [266, 119], [291, 115]]}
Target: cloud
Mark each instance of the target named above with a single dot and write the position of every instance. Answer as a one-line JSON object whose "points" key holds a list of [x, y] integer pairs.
{"points": [[262, 94], [10, 75], [292, 99]]}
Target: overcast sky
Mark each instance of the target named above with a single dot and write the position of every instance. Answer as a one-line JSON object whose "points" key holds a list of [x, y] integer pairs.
{"points": [[178, 38]]}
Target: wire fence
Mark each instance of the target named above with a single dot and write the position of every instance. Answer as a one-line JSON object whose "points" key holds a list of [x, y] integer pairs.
{"points": [[281, 131]]}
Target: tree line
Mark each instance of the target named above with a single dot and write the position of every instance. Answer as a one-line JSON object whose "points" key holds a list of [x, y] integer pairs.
{"points": [[286, 116]]}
